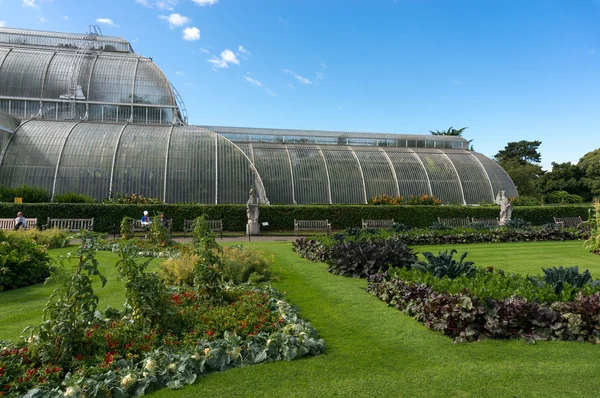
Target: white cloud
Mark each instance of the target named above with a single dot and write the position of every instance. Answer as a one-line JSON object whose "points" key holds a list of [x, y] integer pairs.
{"points": [[30, 3], [252, 81], [2, 24], [144, 3], [166, 4], [290, 85], [203, 3], [229, 57], [191, 34], [106, 21], [175, 20], [457, 83], [242, 50], [66, 18], [205, 50], [179, 73], [301, 79], [339, 108], [41, 19], [226, 57], [270, 92]]}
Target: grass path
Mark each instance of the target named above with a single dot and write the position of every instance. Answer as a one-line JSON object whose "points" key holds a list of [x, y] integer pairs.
{"points": [[375, 351]]}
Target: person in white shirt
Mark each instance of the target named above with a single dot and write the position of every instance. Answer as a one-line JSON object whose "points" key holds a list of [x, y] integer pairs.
{"points": [[20, 221]]}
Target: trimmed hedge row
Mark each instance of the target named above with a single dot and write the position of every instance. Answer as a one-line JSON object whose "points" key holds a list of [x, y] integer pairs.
{"points": [[107, 217]]}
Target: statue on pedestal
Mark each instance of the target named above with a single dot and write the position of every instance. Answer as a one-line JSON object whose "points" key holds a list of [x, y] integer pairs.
{"points": [[505, 208], [252, 213]]}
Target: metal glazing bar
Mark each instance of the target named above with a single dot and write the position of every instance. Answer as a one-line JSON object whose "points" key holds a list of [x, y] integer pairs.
{"points": [[392, 168], [59, 158], [44, 78], [426, 173], [362, 175], [486, 175], [167, 163], [9, 141], [112, 168], [462, 192], [291, 173], [327, 174], [251, 153], [216, 169]]}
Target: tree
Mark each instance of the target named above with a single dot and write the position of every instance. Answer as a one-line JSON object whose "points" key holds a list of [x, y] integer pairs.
{"points": [[522, 151], [519, 160], [590, 166], [564, 177], [450, 131]]}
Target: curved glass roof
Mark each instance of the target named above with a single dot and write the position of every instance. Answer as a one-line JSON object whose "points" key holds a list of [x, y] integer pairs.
{"points": [[26, 37], [173, 163], [192, 164]]}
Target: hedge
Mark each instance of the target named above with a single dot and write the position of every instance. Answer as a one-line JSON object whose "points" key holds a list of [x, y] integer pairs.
{"points": [[107, 217]]}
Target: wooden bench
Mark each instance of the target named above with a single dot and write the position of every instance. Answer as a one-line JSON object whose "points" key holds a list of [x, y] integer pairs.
{"points": [[137, 226], [214, 225], [455, 222], [488, 222], [8, 224], [312, 225], [377, 223], [70, 224], [569, 222]]}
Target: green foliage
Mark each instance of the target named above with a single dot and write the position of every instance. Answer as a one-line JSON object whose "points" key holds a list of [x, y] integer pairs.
{"points": [[517, 223], [444, 266], [240, 264], [450, 131], [524, 175], [562, 197], [70, 309], [50, 238], [29, 194], [524, 200], [207, 268], [561, 278], [522, 152], [125, 228], [179, 270], [592, 243], [386, 200], [108, 217], [158, 234], [23, 262], [72, 197], [590, 165], [145, 294], [565, 177]]}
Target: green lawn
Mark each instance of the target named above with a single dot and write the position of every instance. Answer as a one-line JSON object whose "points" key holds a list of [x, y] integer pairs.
{"points": [[376, 351]]}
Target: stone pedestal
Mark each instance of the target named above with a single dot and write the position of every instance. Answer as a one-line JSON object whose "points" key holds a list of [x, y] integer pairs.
{"points": [[252, 228]]}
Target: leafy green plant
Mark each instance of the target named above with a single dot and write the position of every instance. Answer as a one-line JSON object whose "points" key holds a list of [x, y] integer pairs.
{"points": [[241, 264], [132, 199], [146, 296], [28, 194], [592, 243], [207, 268], [561, 278], [158, 234], [125, 228], [443, 265], [70, 309], [50, 238], [517, 223], [23, 262], [179, 270]]}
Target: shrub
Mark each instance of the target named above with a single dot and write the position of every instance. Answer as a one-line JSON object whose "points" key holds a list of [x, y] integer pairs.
{"points": [[440, 226], [525, 201], [125, 228], [312, 249], [423, 200], [443, 265], [362, 258], [133, 199], [22, 261], [179, 271], [386, 200], [72, 197], [158, 234], [562, 197], [240, 264], [29, 194], [50, 238], [592, 243]]}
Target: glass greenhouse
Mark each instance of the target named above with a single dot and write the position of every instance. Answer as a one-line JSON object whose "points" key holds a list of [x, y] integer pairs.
{"points": [[93, 117]]}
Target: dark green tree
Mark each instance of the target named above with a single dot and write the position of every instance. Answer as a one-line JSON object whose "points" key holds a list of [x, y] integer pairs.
{"points": [[565, 177], [522, 151], [590, 166], [520, 160], [450, 131]]}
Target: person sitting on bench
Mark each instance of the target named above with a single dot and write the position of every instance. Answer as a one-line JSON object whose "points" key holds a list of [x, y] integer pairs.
{"points": [[20, 221]]}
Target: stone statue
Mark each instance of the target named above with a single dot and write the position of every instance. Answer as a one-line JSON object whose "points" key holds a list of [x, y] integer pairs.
{"points": [[505, 207], [252, 213]]}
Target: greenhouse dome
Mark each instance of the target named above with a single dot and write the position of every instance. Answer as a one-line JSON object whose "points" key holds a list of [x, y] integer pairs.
{"points": [[85, 114]]}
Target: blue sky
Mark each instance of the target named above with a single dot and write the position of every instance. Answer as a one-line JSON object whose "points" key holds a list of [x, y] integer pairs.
{"points": [[509, 70]]}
